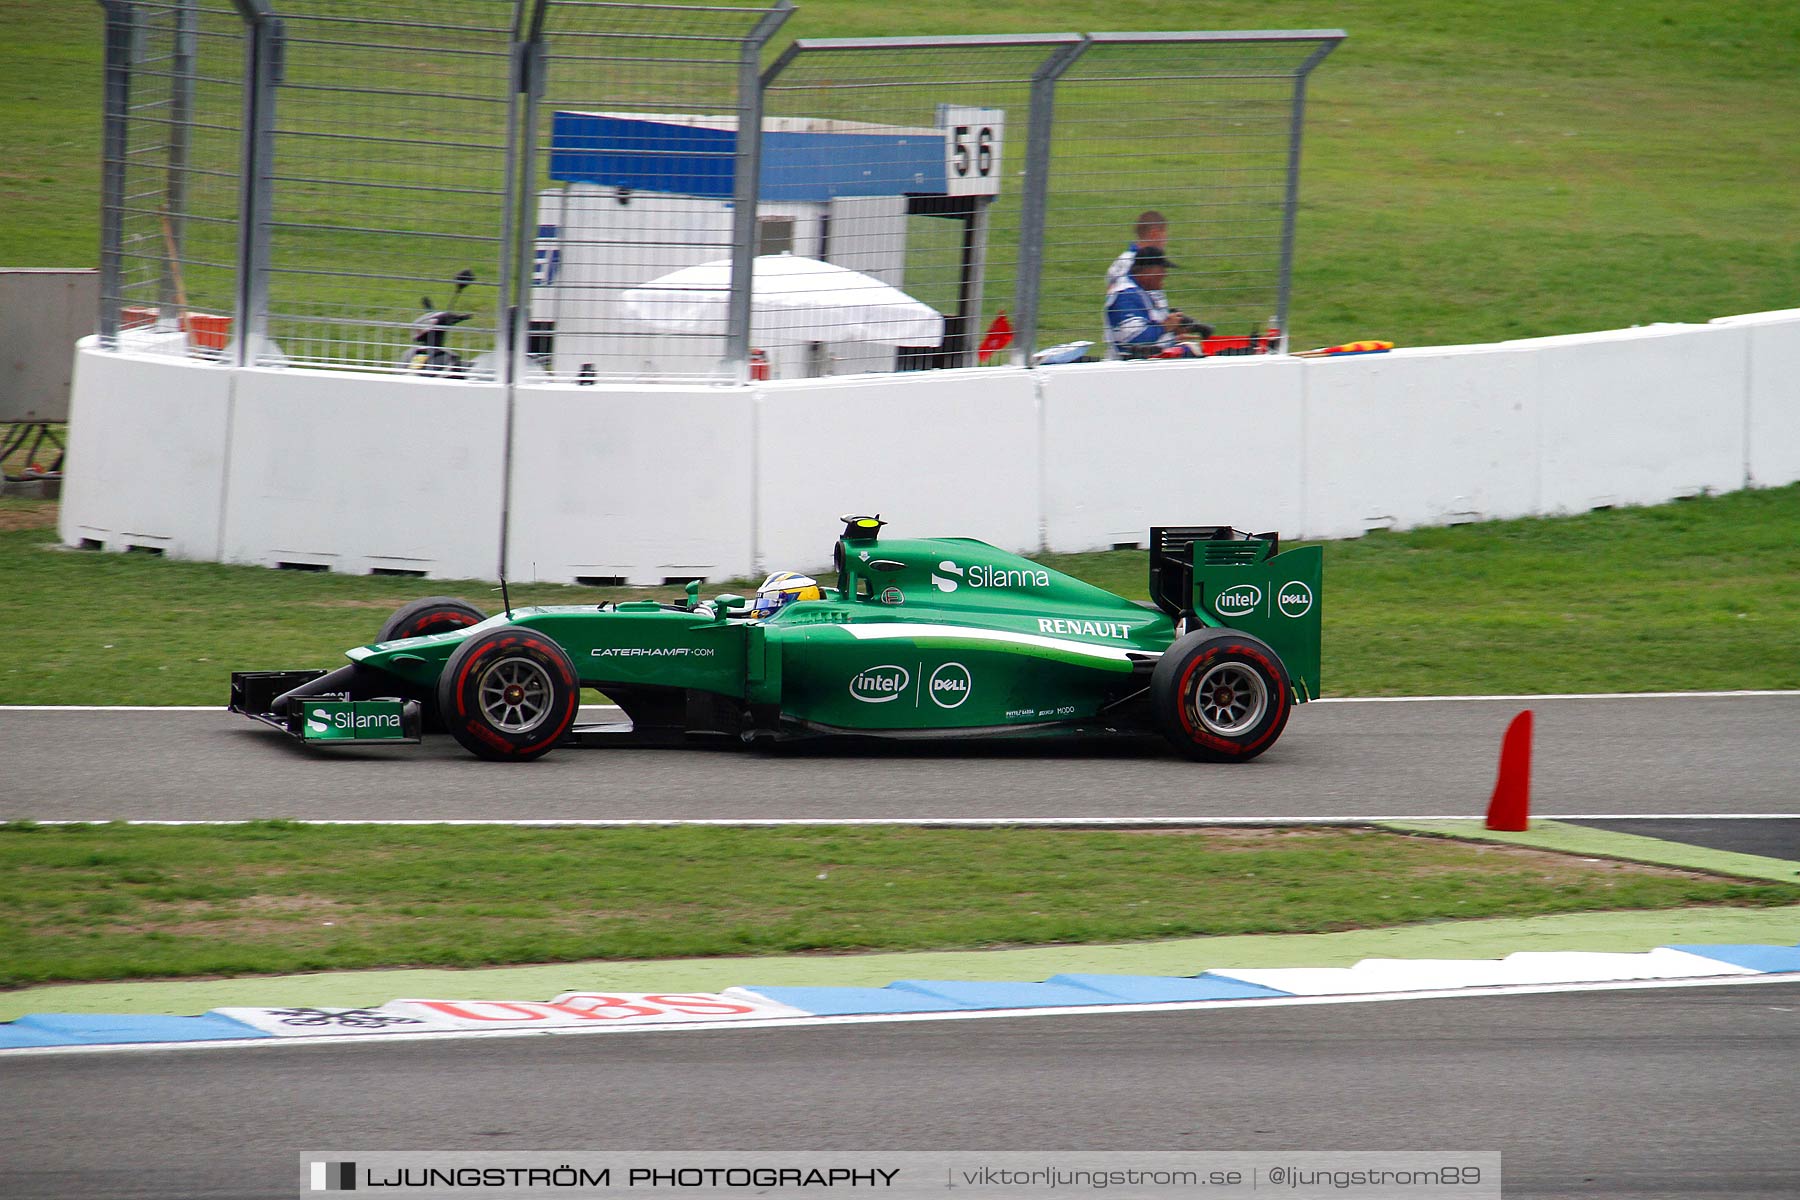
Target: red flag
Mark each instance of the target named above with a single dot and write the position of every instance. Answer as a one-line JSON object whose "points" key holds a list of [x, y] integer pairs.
{"points": [[999, 337]]}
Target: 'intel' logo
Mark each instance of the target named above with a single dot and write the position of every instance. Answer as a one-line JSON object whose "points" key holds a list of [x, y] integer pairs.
{"points": [[878, 685], [1238, 601], [1294, 599]]}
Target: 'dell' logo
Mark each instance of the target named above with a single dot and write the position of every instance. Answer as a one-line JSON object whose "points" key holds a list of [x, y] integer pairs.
{"points": [[1294, 599], [950, 685]]}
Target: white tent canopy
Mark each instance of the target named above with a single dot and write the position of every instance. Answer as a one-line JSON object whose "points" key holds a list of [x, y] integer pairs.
{"points": [[794, 299]]}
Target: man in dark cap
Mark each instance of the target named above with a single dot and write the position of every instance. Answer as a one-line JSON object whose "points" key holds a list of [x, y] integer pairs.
{"points": [[1139, 323]]}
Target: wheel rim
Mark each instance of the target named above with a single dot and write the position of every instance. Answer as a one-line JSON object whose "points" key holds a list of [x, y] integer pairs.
{"points": [[515, 695], [1229, 699]]}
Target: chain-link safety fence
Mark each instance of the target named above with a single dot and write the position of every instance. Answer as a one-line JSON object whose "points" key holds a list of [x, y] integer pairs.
{"points": [[387, 184], [560, 190], [170, 161], [1187, 144], [639, 178], [920, 183]]}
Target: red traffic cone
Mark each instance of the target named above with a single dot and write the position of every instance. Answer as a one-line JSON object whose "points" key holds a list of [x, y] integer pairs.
{"points": [[1510, 809]]}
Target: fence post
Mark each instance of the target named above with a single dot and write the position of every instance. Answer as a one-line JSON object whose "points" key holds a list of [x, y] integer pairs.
{"points": [[1034, 203], [171, 294], [263, 45], [746, 187], [121, 29], [519, 221], [1291, 201], [518, 231]]}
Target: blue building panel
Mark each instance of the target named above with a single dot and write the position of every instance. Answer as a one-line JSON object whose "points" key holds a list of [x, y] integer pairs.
{"points": [[647, 156], [823, 166], [687, 160]]}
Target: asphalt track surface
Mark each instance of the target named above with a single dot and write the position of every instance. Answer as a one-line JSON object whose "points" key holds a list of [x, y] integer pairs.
{"points": [[1665, 1093], [1644, 1093], [1772, 838], [1614, 755]]}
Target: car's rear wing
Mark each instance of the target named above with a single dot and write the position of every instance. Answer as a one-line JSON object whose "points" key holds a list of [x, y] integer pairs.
{"points": [[1221, 576]]}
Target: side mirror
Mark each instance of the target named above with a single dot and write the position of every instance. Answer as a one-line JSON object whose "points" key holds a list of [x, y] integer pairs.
{"points": [[728, 605]]}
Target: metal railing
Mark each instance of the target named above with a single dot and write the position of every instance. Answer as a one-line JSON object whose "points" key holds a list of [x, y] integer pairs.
{"points": [[637, 173], [170, 176], [564, 190]]}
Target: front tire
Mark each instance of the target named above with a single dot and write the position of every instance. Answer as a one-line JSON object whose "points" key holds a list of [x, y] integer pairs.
{"points": [[434, 614], [509, 694], [1221, 696]]}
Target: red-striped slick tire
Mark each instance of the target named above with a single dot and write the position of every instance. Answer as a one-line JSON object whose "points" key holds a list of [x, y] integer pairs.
{"points": [[434, 614], [1221, 696], [508, 694]]}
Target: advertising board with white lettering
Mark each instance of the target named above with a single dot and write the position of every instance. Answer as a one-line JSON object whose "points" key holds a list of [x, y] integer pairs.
{"points": [[586, 1010]]}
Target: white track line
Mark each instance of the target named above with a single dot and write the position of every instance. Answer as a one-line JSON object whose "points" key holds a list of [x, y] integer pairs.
{"points": [[367, 1039], [1511, 699]]}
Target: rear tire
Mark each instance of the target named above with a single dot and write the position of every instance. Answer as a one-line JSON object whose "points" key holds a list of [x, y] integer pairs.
{"points": [[509, 694], [434, 614], [1221, 696]]}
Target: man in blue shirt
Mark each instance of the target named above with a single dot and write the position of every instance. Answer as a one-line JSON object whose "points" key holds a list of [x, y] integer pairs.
{"points": [[1139, 323]]}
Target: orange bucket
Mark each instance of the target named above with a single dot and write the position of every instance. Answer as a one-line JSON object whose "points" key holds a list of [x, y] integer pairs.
{"points": [[206, 331]]}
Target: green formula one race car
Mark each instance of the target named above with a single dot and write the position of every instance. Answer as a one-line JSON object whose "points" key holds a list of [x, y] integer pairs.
{"points": [[919, 638]]}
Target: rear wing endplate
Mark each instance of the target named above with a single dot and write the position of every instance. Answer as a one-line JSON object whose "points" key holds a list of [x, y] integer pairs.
{"points": [[1221, 576]]}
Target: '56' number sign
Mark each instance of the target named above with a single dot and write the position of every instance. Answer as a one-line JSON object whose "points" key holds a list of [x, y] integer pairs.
{"points": [[972, 142]]}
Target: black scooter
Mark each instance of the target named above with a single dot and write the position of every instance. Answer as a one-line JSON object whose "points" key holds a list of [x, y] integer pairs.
{"points": [[429, 356]]}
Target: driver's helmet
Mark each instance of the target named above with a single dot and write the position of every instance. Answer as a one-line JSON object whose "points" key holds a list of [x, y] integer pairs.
{"points": [[783, 588]]}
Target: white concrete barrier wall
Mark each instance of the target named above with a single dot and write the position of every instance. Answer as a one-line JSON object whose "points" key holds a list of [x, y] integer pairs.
{"points": [[639, 484], [146, 454], [361, 473], [643, 483], [1131, 445], [1417, 437], [1639, 416], [956, 457], [1772, 431]]}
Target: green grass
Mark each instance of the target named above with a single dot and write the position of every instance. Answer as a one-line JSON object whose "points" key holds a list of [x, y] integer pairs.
{"points": [[1473, 170], [118, 902], [1695, 595], [1700, 594], [137, 629]]}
